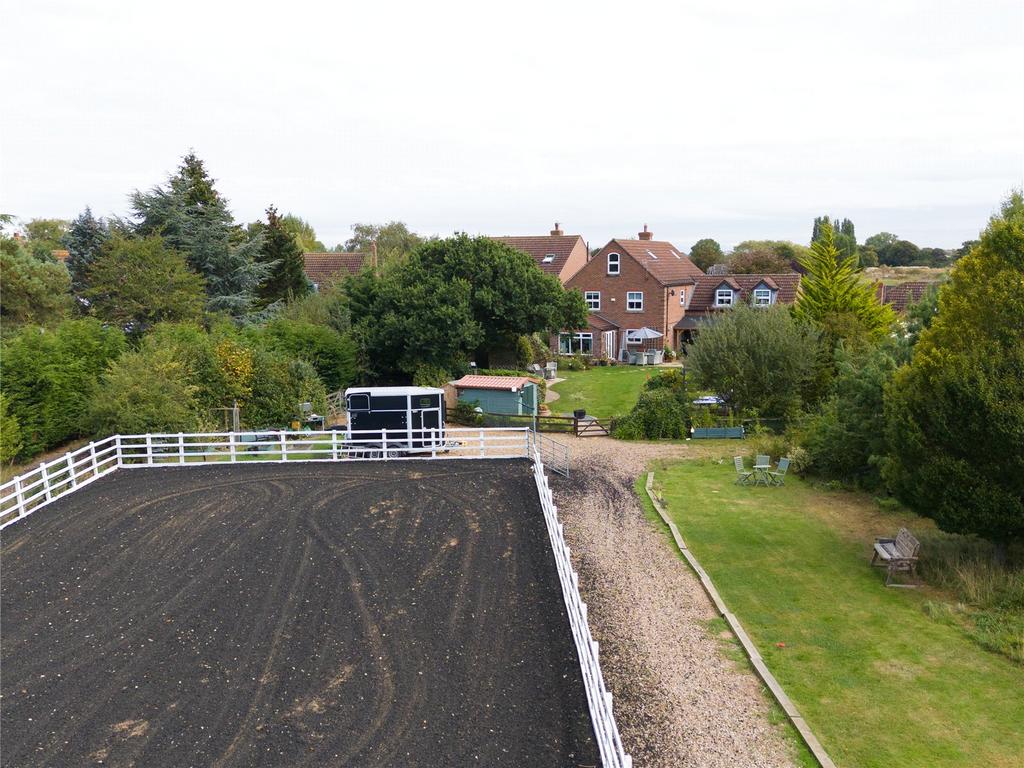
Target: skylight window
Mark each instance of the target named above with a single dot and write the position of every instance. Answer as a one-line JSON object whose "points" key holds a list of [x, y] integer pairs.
{"points": [[548, 258], [674, 253], [651, 254]]}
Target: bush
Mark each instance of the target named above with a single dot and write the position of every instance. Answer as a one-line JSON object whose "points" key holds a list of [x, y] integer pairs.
{"points": [[575, 362], [524, 352], [658, 414], [465, 413], [10, 433], [49, 378], [331, 354], [279, 385], [431, 376], [146, 391], [671, 379]]}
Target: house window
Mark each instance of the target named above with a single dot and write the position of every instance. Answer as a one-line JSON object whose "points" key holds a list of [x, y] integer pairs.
{"points": [[723, 297], [631, 337], [682, 298], [762, 297], [593, 299], [613, 263], [573, 343], [635, 301]]}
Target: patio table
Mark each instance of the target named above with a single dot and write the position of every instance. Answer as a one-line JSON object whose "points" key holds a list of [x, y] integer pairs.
{"points": [[761, 474]]}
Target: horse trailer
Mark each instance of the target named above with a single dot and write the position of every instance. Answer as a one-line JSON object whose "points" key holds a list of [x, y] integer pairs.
{"points": [[398, 419]]}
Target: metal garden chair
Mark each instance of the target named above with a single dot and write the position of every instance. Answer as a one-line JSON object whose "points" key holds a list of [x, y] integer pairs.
{"points": [[743, 477], [778, 477]]}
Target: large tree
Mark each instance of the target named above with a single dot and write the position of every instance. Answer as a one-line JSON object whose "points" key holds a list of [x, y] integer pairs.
{"points": [[281, 256], [303, 233], [84, 239], [394, 241], [193, 218], [706, 252], [44, 237], [956, 413], [137, 283], [756, 358], [834, 298]]}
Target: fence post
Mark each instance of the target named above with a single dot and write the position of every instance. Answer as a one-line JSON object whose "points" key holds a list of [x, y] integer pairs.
{"points": [[231, 445], [46, 480], [481, 442], [334, 444], [71, 470], [92, 455], [19, 495], [384, 443], [149, 449], [118, 452], [181, 448], [284, 446], [433, 443]]}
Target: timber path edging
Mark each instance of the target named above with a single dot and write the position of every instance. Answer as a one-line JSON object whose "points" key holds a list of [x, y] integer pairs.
{"points": [[737, 629]]}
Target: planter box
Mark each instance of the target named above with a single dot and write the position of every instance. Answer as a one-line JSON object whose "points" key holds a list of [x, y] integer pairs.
{"points": [[707, 433]]}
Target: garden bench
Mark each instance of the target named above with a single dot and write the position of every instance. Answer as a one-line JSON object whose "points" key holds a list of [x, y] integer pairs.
{"points": [[899, 555]]}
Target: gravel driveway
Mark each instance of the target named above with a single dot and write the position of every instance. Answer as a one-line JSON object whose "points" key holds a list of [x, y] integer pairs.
{"points": [[679, 700]]}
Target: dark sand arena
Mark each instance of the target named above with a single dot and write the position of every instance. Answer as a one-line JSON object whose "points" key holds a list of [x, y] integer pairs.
{"points": [[370, 614]]}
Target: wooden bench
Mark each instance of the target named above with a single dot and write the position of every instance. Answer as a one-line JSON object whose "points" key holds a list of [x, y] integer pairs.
{"points": [[899, 555]]}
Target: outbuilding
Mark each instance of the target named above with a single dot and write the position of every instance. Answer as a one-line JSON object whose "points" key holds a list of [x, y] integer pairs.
{"points": [[514, 395]]}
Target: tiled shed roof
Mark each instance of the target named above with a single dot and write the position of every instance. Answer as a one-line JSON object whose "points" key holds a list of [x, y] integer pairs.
{"points": [[503, 383], [901, 296]]}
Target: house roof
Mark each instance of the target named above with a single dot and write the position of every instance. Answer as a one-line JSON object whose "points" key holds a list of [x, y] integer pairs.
{"points": [[703, 299], [666, 263], [502, 383], [60, 254], [323, 268], [599, 322], [901, 296], [542, 246]]}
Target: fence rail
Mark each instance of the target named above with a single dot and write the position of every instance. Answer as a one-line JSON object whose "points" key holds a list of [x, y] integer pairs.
{"points": [[599, 698]]}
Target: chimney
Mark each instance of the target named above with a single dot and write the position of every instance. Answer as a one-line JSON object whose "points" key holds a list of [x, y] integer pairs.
{"points": [[557, 231], [645, 235], [373, 255]]}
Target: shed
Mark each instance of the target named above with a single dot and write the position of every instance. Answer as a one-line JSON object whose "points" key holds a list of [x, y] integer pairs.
{"points": [[515, 395]]}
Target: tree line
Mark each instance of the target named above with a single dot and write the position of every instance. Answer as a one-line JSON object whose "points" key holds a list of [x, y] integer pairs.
{"points": [[157, 320]]}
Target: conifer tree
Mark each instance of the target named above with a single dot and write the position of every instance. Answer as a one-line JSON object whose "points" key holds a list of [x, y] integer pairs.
{"points": [[83, 240], [832, 295], [281, 256]]}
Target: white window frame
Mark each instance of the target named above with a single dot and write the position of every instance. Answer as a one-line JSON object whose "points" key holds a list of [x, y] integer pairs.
{"points": [[617, 263], [631, 301], [593, 299], [632, 340], [548, 258], [575, 341], [721, 293], [762, 293]]}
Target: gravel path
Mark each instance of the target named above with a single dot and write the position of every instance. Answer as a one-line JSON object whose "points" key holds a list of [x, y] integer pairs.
{"points": [[679, 700]]}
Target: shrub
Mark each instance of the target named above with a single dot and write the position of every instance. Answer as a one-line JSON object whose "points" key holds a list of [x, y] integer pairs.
{"points": [[575, 362], [331, 354], [146, 391], [431, 376], [524, 351], [465, 413], [279, 385], [49, 378], [658, 414], [10, 433]]}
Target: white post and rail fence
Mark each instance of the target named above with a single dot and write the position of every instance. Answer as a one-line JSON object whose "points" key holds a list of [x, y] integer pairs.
{"points": [[54, 479]]}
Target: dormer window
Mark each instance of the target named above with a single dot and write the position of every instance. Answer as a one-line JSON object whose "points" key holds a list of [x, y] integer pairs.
{"points": [[548, 258], [723, 297], [762, 297], [613, 263]]}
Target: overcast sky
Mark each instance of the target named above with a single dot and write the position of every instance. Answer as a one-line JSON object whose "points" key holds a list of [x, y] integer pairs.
{"points": [[728, 120]]}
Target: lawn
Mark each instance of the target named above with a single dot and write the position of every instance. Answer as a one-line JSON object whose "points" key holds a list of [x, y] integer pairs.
{"points": [[603, 391], [879, 682]]}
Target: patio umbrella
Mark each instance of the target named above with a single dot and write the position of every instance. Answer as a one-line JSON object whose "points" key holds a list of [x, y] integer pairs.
{"points": [[647, 333]]}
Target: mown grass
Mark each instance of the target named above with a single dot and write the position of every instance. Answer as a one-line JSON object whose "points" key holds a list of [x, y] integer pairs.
{"points": [[879, 680], [603, 391]]}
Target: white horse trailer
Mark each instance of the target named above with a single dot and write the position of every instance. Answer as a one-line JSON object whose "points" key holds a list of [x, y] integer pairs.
{"points": [[400, 419]]}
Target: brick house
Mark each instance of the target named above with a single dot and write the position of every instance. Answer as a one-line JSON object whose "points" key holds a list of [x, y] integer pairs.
{"points": [[629, 285], [322, 269], [713, 294], [557, 253]]}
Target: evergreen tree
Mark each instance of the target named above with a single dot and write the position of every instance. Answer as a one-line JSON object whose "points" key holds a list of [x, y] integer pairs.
{"points": [[193, 218], [834, 298], [83, 240], [281, 256]]}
